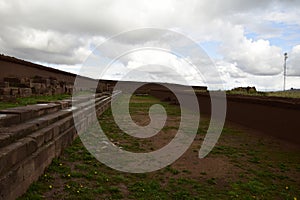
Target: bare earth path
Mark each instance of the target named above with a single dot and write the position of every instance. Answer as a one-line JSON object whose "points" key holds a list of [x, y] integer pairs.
{"points": [[245, 164]]}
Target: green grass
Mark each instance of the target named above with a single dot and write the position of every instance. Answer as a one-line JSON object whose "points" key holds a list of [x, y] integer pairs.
{"points": [[32, 100], [287, 94], [258, 170]]}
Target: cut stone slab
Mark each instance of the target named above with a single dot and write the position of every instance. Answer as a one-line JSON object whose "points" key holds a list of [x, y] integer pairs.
{"points": [[9, 119], [4, 139], [32, 111]]}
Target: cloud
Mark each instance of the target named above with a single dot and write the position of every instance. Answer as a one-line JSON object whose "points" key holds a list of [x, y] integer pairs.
{"points": [[255, 57], [64, 33], [293, 62]]}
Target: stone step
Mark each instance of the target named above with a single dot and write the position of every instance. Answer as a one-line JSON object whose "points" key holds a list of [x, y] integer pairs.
{"points": [[19, 149], [13, 133], [16, 152], [12, 116], [17, 115]]}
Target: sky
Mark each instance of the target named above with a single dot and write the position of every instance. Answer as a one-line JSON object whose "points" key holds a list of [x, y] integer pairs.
{"points": [[245, 40]]}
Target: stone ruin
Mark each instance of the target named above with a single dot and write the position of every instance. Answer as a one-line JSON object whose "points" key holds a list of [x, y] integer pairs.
{"points": [[14, 87]]}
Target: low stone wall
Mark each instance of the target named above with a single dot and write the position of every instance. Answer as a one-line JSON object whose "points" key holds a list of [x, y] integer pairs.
{"points": [[19, 78], [275, 116], [31, 136], [13, 87]]}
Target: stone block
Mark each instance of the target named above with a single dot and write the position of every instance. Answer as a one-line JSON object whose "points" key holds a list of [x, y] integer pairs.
{"points": [[55, 131], [5, 91], [19, 131], [8, 183], [9, 119], [42, 136], [16, 152], [14, 91], [43, 157], [64, 103], [4, 139], [36, 86], [65, 124], [25, 114], [25, 92], [32, 111]]}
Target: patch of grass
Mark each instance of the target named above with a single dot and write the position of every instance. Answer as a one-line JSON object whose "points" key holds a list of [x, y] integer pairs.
{"points": [[286, 94], [259, 189], [172, 170], [24, 101], [289, 94]]}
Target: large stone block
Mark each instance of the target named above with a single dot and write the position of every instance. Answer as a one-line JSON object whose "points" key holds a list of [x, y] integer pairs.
{"points": [[25, 92], [4, 139], [32, 111], [5, 91], [25, 114], [19, 131], [14, 91], [42, 136], [15, 153], [66, 123], [9, 183], [64, 139], [43, 157], [9, 119], [17, 180]]}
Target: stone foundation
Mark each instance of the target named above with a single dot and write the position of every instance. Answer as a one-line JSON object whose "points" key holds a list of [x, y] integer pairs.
{"points": [[31, 136]]}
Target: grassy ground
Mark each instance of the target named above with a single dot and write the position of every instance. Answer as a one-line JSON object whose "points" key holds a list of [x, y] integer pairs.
{"points": [[32, 100], [243, 165], [287, 94]]}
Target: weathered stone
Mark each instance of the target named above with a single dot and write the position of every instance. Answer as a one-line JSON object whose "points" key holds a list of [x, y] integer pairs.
{"points": [[4, 140], [19, 131], [66, 123], [14, 91], [9, 119], [16, 152], [42, 136], [64, 103], [19, 178], [44, 157], [8, 184], [39, 122], [47, 131], [63, 140], [5, 91], [25, 92], [36, 87], [24, 113], [32, 111]]}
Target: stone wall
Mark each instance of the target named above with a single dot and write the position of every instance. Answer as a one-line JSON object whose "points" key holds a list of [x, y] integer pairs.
{"points": [[275, 116], [31, 136], [13, 87], [19, 78]]}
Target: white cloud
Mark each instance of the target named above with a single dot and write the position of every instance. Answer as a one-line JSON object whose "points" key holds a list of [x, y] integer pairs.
{"points": [[255, 57], [63, 33], [293, 62]]}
